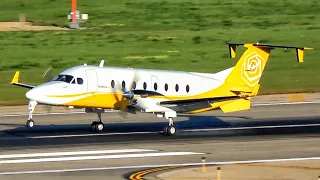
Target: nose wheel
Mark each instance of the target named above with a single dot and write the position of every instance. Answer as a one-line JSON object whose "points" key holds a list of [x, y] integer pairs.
{"points": [[30, 124], [32, 105], [97, 126]]}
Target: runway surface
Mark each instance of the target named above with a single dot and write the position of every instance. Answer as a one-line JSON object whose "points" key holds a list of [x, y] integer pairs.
{"points": [[63, 146]]}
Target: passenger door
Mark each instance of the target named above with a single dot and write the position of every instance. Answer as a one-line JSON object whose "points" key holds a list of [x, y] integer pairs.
{"points": [[92, 80]]}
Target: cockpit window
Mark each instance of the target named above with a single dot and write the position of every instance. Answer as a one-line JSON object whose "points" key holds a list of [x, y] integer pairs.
{"points": [[80, 80], [64, 78]]}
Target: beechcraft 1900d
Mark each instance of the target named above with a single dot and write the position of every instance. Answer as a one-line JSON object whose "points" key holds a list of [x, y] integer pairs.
{"points": [[161, 92]]}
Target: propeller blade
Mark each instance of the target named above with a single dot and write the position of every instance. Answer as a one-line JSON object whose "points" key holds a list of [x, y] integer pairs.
{"points": [[47, 75], [127, 94], [134, 80]]}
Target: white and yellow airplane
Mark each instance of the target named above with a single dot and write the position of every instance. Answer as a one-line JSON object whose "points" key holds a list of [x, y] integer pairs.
{"points": [[161, 92]]}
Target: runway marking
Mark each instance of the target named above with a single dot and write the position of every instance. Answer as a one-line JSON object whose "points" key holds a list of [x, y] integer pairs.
{"points": [[186, 130], [73, 153], [285, 103], [78, 158], [87, 135], [108, 111], [139, 174], [157, 165], [40, 114], [253, 127]]}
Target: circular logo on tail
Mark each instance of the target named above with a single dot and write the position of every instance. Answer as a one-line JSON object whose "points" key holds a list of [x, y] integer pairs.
{"points": [[252, 68]]}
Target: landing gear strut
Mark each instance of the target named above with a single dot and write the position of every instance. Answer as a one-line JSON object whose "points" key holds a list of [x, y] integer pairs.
{"points": [[169, 130], [32, 105], [97, 126]]}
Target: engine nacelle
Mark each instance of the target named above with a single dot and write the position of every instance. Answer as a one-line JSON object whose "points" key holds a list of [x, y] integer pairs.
{"points": [[128, 95]]}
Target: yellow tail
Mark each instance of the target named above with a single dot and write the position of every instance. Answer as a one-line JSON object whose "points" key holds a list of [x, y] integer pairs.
{"points": [[247, 73]]}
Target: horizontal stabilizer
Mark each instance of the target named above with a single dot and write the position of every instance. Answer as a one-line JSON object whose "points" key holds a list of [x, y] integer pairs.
{"points": [[299, 50]]}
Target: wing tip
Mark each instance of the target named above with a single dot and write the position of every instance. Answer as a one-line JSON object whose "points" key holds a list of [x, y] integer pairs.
{"points": [[16, 77]]}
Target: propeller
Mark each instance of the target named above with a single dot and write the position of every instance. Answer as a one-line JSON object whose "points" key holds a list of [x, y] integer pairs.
{"points": [[48, 76], [127, 95]]}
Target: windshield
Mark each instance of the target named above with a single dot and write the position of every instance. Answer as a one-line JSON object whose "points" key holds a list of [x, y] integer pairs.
{"points": [[63, 78]]}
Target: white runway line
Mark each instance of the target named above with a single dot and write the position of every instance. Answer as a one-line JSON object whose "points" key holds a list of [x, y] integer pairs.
{"points": [[158, 165], [253, 127], [285, 103], [108, 111], [87, 135], [40, 114], [78, 158], [73, 153]]}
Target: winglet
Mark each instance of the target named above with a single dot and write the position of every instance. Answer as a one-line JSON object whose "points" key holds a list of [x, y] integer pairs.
{"points": [[16, 77], [15, 81], [300, 53], [232, 48]]}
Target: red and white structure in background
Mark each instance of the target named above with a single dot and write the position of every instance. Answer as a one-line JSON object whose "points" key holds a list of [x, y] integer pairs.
{"points": [[75, 17]]}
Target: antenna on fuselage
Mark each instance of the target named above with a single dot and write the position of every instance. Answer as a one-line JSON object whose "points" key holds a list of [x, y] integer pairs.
{"points": [[101, 63]]}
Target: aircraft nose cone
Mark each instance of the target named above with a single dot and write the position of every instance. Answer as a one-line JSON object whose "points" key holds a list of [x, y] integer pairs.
{"points": [[31, 94]]}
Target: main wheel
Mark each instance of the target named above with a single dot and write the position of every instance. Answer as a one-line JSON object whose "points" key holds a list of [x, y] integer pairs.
{"points": [[93, 125], [171, 131], [165, 130], [99, 127], [30, 123]]}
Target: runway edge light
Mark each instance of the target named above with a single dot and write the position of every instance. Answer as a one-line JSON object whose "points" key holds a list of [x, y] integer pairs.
{"points": [[203, 164], [218, 173]]}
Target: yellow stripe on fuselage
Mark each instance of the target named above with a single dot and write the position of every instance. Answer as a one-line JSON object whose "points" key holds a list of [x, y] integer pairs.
{"points": [[116, 100]]}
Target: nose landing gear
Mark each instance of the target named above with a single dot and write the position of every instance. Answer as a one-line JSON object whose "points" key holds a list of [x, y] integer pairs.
{"points": [[32, 105], [97, 126]]}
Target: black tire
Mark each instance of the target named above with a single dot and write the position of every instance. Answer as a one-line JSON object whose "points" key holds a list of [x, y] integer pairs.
{"points": [[99, 127], [30, 124], [93, 126], [165, 130], [171, 131]]}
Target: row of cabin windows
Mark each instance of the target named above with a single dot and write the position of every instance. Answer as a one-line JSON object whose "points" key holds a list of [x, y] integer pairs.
{"points": [[155, 86]]}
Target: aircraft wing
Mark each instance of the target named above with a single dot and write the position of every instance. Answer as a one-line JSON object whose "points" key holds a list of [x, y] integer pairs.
{"points": [[190, 105], [15, 81]]}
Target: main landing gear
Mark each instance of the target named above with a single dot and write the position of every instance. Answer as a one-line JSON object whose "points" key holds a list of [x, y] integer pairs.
{"points": [[97, 126], [169, 130], [32, 105]]}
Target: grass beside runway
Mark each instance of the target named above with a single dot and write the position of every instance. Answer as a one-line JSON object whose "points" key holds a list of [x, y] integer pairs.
{"points": [[177, 35]]}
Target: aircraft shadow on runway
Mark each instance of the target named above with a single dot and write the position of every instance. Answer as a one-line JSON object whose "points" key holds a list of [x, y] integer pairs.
{"points": [[191, 122]]}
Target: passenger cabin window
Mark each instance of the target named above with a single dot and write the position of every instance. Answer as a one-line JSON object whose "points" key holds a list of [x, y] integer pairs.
{"points": [[166, 87], [112, 84], [144, 85], [177, 87], [64, 78], [187, 88], [155, 86], [134, 85], [123, 84]]}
